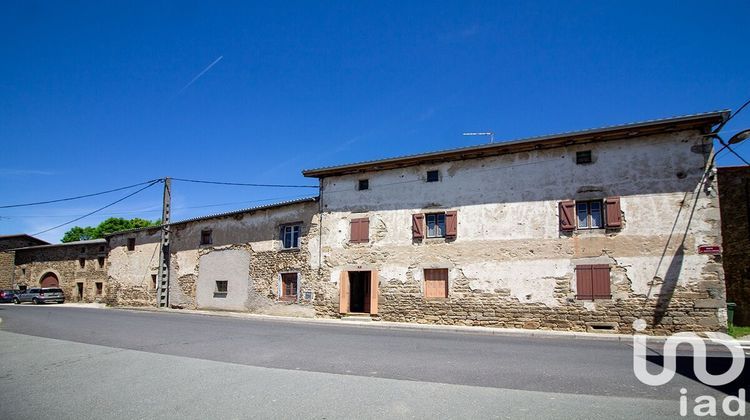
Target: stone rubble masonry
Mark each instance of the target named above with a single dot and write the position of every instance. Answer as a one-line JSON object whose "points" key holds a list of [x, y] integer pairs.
{"points": [[7, 256], [734, 190], [63, 260]]}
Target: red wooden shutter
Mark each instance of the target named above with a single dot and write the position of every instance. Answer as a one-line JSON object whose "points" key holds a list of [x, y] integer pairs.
{"points": [[451, 224], [614, 216], [567, 214], [584, 282], [417, 226], [600, 282], [360, 230]]}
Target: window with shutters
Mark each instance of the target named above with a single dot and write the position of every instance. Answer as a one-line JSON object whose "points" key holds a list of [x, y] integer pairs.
{"points": [[435, 225], [436, 282], [289, 286], [360, 231], [590, 214], [593, 282], [290, 236]]}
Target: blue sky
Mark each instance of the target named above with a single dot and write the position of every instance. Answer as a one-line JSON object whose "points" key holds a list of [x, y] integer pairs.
{"points": [[97, 95]]}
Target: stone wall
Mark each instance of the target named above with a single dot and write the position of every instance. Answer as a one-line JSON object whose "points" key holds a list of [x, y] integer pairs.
{"points": [[734, 193], [7, 267], [64, 261], [510, 265]]}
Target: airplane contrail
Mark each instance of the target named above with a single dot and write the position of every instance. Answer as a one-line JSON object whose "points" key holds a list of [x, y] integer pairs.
{"points": [[200, 74]]}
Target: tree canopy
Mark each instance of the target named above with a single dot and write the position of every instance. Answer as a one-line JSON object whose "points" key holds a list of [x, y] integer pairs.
{"points": [[111, 225]]}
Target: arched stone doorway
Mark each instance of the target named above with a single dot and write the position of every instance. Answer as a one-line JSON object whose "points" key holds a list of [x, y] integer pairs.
{"points": [[49, 280]]}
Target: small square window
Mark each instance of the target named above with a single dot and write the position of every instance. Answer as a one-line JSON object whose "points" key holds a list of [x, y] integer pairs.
{"points": [[206, 237], [583, 157], [99, 288], [131, 244], [433, 176], [82, 262], [435, 225], [222, 288], [288, 286], [364, 184], [436, 282], [290, 236]]}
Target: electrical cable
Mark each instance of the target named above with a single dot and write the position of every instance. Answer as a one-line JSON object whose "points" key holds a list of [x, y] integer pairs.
{"points": [[100, 209], [78, 197], [240, 184]]}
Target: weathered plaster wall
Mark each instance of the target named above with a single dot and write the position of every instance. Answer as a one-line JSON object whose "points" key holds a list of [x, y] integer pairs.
{"points": [[246, 250], [63, 260], [511, 266], [130, 272], [734, 192]]}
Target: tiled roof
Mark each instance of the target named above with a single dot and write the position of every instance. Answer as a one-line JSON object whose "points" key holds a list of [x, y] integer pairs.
{"points": [[229, 213], [553, 140], [76, 243]]}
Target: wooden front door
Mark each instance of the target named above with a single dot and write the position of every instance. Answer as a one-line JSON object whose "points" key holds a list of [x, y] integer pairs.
{"points": [[358, 292]]}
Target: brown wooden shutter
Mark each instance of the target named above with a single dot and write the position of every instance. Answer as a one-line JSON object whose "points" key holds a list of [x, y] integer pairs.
{"points": [[600, 288], [614, 215], [417, 226], [436, 282], [451, 224], [344, 292], [584, 282], [360, 230], [567, 214]]}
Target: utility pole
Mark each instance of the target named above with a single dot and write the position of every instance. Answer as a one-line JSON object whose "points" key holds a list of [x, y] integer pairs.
{"points": [[162, 290]]}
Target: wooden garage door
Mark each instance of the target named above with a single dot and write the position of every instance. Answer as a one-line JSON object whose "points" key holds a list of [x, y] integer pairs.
{"points": [[50, 280]]}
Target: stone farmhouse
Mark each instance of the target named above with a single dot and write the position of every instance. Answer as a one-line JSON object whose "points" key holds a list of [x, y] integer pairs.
{"points": [[583, 231]]}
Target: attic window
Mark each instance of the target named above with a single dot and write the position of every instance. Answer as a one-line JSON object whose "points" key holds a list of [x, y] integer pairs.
{"points": [[364, 184], [206, 238], [583, 157], [433, 176]]}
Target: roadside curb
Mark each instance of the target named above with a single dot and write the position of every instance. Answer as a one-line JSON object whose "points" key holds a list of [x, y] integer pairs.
{"points": [[511, 332]]}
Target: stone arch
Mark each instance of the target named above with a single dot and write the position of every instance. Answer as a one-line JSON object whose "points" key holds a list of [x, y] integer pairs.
{"points": [[49, 279]]}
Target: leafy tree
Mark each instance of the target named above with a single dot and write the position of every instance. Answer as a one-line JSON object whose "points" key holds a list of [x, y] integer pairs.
{"points": [[111, 225], [78, 233]]}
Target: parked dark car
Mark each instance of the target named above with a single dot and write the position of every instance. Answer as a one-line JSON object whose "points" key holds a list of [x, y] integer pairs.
{"points": [[6, 296], [40, 295]]}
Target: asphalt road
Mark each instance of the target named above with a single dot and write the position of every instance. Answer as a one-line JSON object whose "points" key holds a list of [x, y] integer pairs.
{"points": [[237, 368]]}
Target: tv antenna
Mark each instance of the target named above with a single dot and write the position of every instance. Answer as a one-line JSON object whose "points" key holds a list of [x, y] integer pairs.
{"points": [[490, 134]]}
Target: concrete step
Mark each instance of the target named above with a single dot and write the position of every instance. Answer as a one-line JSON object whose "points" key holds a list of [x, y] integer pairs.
{"points": [[356, 317]]}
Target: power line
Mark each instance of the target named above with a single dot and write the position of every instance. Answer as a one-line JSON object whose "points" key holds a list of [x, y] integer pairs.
{"points": [[78, 197], [197, 181], [99, 209]]}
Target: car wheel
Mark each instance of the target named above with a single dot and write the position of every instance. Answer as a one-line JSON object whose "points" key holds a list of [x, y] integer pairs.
{"points": [[16, 301], [36, 301]]}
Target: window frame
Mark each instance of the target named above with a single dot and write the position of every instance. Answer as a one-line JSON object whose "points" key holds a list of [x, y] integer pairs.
{"points": [[282, 291], [589, 216], [584, 157], [434, 172], [217, 290], [363, 182], [207, 237], [283, 234], [436, 216]]}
